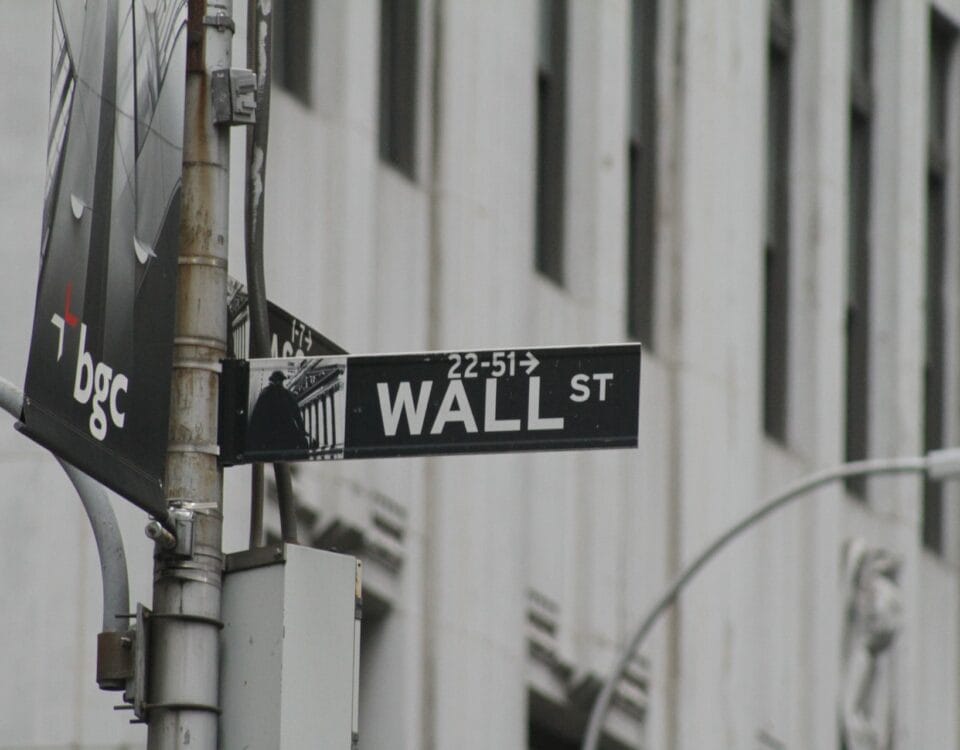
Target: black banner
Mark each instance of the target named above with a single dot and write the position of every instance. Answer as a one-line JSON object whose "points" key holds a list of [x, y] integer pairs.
{"points": [[317, 408], [98, 376]]}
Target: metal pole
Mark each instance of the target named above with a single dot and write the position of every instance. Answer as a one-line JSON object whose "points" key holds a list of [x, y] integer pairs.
{"points": [[183, 694], [938, 465], [259, 46]]}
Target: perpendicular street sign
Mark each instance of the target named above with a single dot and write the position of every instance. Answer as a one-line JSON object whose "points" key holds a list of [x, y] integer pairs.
{"points": [[289, 335], [449, 402], [97, 390]]}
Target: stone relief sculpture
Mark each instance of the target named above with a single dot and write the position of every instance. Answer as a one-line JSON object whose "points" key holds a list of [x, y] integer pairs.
{"points": [[873, 617]]}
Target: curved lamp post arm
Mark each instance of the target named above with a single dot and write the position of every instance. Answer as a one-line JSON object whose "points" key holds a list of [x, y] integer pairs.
{"points": [[937, 465], [103, 521]]}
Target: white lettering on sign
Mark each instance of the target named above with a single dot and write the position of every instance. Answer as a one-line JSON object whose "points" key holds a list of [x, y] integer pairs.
{"points": [[580, 383], [287, 350], [503, 363], [455, 408], [499, 364], [299, 341], [98, 382], [603, 378], [490, 421], [391, 413], [534, 420], [581, 389], [456, 395]]}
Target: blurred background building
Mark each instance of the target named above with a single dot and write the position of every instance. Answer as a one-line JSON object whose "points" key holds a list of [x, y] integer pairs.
{"points": [[765, 193]]}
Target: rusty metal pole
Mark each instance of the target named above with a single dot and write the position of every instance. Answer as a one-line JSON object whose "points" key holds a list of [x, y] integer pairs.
{"points": [[183, 693]]}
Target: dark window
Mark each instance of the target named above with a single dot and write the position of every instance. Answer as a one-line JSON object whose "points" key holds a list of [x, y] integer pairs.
{"points": [[858, 240], [551, 85], [777, 229], [541, 738], [292, 27], [641, 165], [399, 52], [560, 726], [942, 37]]}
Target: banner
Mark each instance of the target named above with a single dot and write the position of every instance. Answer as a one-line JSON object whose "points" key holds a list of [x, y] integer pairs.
{"points": [[98, 376]]}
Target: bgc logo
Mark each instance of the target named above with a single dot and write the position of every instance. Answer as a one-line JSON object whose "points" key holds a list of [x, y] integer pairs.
{"points": [[93, 383], [100, 387]]}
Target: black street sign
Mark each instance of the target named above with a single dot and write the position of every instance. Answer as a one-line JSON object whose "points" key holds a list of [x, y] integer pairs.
{"points": [[289, 336], [481, 401], [97, 390]]}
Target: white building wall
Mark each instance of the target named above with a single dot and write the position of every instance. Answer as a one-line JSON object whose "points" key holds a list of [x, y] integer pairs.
{"points": [[718, 374], [751, 655]]}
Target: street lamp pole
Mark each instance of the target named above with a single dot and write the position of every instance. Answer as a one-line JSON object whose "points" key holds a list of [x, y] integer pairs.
{"points": [[103, 523], [937, 465]]}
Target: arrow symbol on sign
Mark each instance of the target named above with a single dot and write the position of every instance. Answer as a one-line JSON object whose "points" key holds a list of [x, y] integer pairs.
{"points": [[530, 362]]}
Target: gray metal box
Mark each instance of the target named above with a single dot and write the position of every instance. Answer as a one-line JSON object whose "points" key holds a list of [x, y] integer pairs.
{"points": [[290, 650]]}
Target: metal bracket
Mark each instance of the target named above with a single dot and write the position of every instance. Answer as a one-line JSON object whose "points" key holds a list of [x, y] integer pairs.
{"points": [[221, 22], [114, 659], [234, 95], [161, 536], [183, 521], [177, 538], [137, 642]]}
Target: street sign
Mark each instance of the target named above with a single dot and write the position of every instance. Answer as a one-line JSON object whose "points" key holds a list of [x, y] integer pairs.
{"points": [[97, 390], [477, 401], [289, 336]]}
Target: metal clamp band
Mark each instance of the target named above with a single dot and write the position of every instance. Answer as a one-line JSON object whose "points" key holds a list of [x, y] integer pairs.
{"points": [[202, 260], [181, 617], [182, 573], [190, 505], [196, 364], [220, 22], [210, 343], [209, 449], [182, 707]]}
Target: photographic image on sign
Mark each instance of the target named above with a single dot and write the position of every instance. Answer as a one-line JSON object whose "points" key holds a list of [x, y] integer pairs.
{"points": [[98, 377], [297, 406], [481, 401]]}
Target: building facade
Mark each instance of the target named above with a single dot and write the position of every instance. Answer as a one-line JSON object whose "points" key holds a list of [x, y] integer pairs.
{"points": [[765, 193]]}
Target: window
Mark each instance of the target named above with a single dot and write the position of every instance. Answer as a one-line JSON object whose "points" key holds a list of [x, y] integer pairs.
{"points": [[562, 725], [641, 174], [399, 52], [858, 239], [292, 25], [551, 168], [542, 735], [942, 37], [541, 738], [776, 241]]}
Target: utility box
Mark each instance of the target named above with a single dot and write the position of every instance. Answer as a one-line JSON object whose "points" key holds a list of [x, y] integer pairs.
{"points": [[290, 650]]}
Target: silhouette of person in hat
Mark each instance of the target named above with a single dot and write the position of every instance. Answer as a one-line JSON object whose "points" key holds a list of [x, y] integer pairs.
{"points": [[275, 422]]}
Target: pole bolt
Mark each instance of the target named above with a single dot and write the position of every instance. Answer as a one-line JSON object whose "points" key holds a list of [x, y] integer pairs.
{"points": [[160, 535]]}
